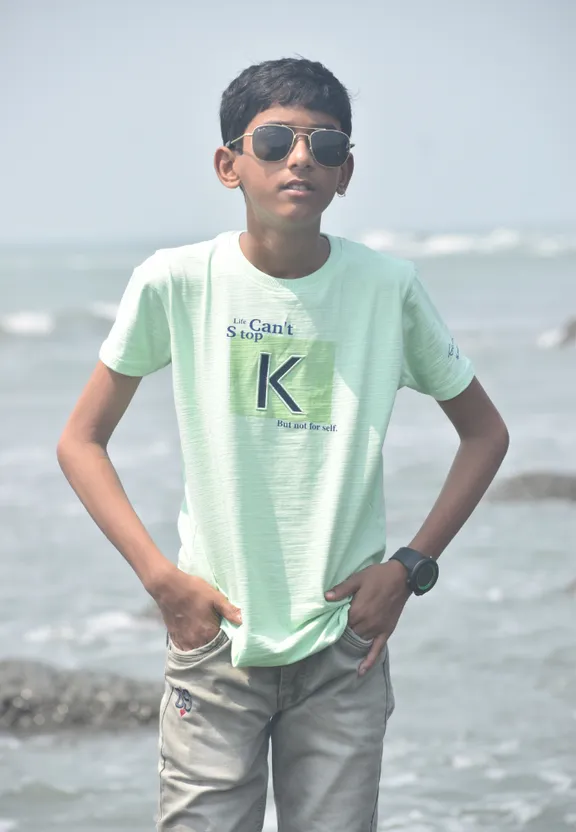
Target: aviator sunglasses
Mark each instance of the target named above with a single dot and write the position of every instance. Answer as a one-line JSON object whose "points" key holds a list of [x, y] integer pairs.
{"points": [[274, 142]]}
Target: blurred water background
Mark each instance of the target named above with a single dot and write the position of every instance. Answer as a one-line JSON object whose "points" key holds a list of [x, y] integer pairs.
{"points": [[484, 734], [462, 120]]}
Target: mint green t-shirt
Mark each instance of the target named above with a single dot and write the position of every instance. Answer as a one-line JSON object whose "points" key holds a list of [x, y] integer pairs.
{"points": [[283, 392]]}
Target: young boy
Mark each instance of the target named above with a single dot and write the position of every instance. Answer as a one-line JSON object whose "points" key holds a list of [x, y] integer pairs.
{"points": [[287, 349]]}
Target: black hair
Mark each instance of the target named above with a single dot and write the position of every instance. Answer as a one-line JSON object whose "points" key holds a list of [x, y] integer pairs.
{"points": [[285, 82]]}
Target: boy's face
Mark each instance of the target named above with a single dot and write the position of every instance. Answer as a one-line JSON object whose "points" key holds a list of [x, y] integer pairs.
{"points": [[264, 183]]}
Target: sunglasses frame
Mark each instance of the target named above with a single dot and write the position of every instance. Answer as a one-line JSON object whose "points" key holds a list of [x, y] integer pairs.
{"points": [[295, 136]]}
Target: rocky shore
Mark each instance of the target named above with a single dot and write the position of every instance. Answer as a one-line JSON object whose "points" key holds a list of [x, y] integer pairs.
{"points": [[36, 697], [535, 485]]}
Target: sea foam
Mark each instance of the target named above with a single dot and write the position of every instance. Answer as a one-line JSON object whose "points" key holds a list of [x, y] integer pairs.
{"points": [[497, 241]]}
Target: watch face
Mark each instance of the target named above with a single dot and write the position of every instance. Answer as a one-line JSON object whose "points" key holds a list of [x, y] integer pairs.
{"points": [[426, 576]]}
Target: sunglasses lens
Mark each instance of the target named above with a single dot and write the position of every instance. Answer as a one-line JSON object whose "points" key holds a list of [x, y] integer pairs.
{"points": [[272, 142], [330, 147]]}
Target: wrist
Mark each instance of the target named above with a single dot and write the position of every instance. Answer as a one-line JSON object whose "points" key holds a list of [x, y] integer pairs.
{"points": [[399, 575], [159, 577]]}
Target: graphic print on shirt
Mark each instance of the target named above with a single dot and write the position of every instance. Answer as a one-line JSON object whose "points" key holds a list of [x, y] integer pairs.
{"points": [[278, 376]]}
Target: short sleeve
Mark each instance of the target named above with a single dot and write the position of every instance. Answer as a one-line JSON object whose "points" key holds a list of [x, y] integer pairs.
{"points": [[433, 362], [139, 342]]}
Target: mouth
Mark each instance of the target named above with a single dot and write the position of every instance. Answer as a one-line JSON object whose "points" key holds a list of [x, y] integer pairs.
{"points": [[297, 186]]}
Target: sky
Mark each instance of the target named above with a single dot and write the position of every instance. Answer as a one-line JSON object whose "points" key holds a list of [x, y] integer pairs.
{"points": [[464, 113]]}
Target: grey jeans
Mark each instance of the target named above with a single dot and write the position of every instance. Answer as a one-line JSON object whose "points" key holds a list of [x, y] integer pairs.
{"points": [[325, 723]]}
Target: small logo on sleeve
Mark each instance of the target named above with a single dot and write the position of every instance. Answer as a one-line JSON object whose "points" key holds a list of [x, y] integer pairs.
{"points": [[453, 349]]}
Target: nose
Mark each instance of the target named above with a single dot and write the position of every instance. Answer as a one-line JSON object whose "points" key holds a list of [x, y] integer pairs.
{"points": [[300, 155]]}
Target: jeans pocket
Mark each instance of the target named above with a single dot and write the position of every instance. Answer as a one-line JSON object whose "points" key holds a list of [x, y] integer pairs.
{"points": [[352, 636], [196, 652]]}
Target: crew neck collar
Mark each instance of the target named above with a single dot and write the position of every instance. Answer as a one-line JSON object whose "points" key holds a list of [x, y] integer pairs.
{"points": [[287, 285]]}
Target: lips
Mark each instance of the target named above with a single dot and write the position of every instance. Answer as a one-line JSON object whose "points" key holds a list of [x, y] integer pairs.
{"points": [[297, 185]]}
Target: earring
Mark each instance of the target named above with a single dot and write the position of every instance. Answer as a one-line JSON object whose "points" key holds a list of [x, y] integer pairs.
{"points": [[341, 193]]}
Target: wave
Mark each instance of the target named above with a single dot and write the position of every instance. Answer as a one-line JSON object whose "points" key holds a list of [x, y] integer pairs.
{"points": [[561, 336], [34, 324], [497, 241], [28, 323], [98, 315], [109, 626]]}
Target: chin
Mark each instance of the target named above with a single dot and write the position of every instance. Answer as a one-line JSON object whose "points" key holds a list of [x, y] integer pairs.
{"points": [[298, 215]]}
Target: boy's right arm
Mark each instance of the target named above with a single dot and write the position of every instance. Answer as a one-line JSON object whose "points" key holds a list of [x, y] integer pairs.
{"points": [[188, 604]]}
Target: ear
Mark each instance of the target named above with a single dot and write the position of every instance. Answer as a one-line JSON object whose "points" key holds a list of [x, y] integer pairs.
{"points": [[224, 165], [345, 175]]}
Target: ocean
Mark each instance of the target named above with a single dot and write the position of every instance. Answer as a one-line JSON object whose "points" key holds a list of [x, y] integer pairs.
{"points": [[484, 669]]}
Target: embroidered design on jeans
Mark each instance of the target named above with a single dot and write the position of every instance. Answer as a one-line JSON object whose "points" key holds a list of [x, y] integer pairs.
{"points": [[184, 701]]}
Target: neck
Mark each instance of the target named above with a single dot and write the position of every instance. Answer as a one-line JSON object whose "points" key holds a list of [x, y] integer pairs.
{"points": [[285, 253]]}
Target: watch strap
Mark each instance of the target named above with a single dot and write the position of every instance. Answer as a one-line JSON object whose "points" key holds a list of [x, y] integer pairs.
{"points": [[409, 558]]}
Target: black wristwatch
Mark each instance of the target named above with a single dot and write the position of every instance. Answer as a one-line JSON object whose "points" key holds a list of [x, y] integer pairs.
{"points": [[422, 570]]}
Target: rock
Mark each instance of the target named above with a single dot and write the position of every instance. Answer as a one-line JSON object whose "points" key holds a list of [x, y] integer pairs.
{"points": [[536, 485], [37, 697]]}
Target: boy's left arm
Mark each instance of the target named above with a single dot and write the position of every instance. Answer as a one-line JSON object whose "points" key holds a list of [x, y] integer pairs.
{"points": [[483, 445], [380, 591]]}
